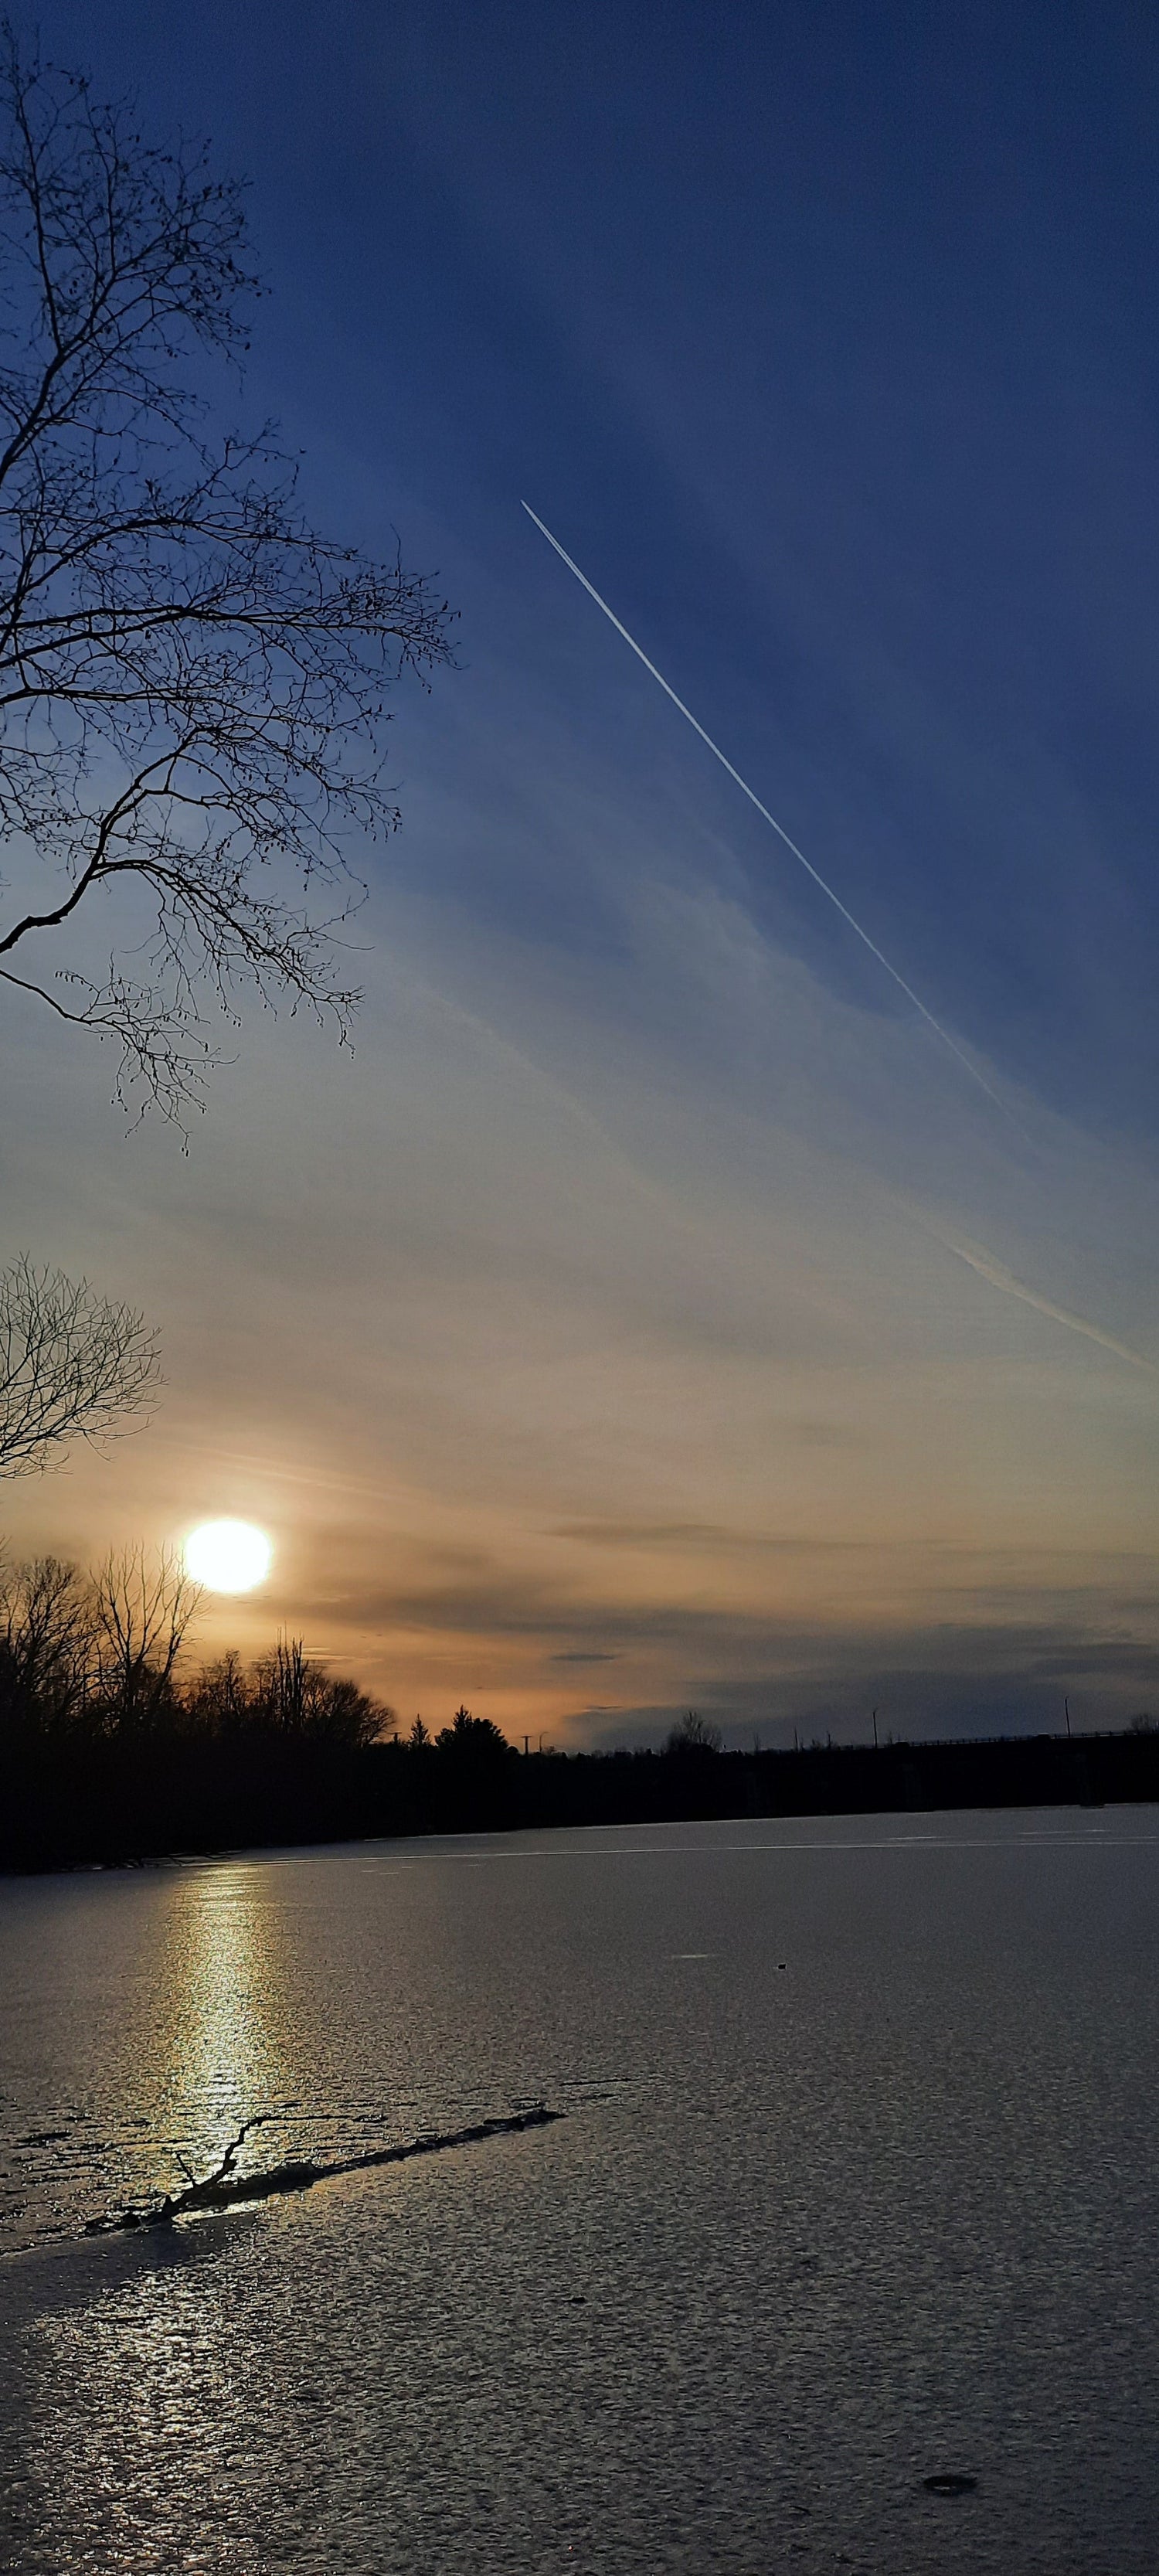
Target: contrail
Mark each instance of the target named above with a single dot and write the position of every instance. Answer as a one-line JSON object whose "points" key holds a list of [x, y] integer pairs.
{"points": [[763, 810], [1000, 1277]]}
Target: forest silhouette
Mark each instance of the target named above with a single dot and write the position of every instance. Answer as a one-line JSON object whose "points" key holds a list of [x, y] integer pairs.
{"points": [[112, 1751]]}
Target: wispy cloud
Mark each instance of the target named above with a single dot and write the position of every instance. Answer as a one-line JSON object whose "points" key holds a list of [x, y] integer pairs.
{"points": [[998, 1276], [659, 1536]]}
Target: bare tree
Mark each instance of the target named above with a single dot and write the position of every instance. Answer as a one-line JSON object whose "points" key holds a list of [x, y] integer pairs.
{"points": [[218, 1700], [46, 1630], [694, 1734], [191, 679], [72, 1366], [141, 1609], [295, 1696]]}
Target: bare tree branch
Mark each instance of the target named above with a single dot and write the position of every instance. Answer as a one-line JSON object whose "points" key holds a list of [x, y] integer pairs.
{"points": [[45, 1634], [72, 1366], [141, 1607], [192, 680]]}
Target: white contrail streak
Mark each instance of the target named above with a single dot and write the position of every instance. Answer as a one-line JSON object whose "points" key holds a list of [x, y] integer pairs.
{"points": [[778, 828], [999, 1276]]}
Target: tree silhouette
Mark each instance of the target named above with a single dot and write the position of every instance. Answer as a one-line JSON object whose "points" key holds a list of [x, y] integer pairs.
{"points": [[46, 1633], [472, 1739], [296, 1697], [72, 1366], [191, 678], [694, 1734], [95, 1658], [141, 1609]]}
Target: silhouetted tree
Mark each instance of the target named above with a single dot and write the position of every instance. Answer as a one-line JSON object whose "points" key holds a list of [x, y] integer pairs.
{"points": [[191, 678], [219, 1701], [474, 1739], [297, 1697], [694, 1734], [46, 1642], [72, 1366], [142, 1607], [279, 1699]]}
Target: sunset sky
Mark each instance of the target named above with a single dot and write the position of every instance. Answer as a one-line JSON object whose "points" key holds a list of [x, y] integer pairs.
{"points": [[652, 1312]]}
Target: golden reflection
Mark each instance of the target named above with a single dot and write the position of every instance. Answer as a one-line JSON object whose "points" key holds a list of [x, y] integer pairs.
{"points": [[222, 1977]]}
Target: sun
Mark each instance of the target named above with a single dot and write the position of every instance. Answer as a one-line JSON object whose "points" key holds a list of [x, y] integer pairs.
{"points": [[228, 1556]]}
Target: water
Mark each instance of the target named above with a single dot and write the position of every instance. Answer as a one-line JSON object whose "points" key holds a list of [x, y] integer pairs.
{"points": [[857, 2186]]}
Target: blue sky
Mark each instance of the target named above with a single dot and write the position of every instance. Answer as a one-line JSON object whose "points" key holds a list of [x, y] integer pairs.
{"points": [[823, 338]]}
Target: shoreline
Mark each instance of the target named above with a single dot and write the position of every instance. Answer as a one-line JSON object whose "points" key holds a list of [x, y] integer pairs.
{"points": [[144, 1806]]}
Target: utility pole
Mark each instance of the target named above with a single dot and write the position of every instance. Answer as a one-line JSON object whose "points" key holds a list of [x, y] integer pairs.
{"points": [[875, 1730], [527, 1744], [1066, 1705]]}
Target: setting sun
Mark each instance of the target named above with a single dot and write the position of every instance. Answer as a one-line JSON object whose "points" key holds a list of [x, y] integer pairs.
{"points": [[228, 1556]]}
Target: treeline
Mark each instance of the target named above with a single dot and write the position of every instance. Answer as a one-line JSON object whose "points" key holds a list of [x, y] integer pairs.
{"points": [[110, 1753], [112, 1747], [89, 1660]]}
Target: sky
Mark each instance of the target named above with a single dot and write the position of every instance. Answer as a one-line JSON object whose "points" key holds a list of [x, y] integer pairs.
{"points": [[654, 1310]]}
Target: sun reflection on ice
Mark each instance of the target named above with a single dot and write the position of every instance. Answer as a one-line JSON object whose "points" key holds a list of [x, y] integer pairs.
{"points": [[223, 1974]]}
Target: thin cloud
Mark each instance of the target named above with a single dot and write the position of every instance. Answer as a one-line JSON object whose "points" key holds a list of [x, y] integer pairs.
{"points": [[995, 1272], [696, 1534]]}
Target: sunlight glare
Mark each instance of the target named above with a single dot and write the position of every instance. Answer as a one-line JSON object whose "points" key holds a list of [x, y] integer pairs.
{"points": [[228, 1556]]}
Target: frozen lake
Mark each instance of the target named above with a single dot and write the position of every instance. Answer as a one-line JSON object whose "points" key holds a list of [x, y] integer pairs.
{"points": [[856, 2187]]}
